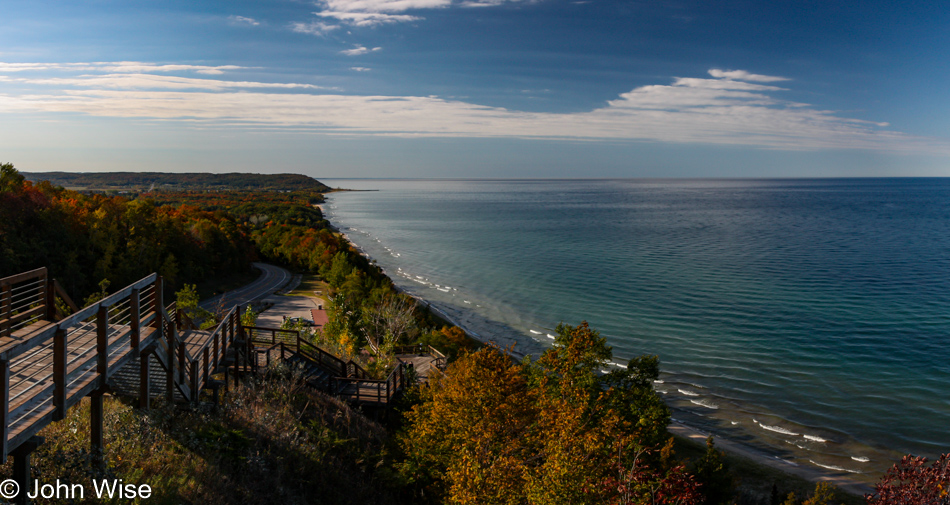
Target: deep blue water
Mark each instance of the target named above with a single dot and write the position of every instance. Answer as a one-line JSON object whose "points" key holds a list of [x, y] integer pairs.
{"points": [[779, 308]]}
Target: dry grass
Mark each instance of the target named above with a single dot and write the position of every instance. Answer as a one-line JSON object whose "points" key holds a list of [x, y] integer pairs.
{"points": [[271, 441]]}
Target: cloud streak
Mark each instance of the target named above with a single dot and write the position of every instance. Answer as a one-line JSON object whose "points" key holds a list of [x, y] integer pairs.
{"points": [[360, 50], [243, 21], [724, 110]]}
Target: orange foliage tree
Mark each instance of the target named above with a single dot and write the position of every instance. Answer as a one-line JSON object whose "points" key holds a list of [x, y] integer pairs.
{"points": [[557, 431]]}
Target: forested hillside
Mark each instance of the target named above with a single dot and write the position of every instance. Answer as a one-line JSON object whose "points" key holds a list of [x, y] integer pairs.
{"points": [[146, 181], [87, 238]]}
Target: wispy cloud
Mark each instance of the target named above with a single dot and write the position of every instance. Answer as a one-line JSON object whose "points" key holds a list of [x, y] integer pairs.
{"points": [[151, 81], [243, 21], [367, 18], [119, 66], [724, 110], [358, 50], [318, 28], [360, 69], [742, 75], [375, 12]]}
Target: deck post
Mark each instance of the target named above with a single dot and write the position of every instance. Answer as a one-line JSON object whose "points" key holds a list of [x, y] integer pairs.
{"points": [[21, 466], [59, 374], [135, 330], [5, 407], [50, 299], [145, 382], [96, 428], [102, 344]]}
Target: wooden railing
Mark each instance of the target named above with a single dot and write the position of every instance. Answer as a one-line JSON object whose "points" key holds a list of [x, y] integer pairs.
{"points": [[60, 363], [379, 391], [28, 298], [49, 365], [199, 363], [269, 337], [423, 349]]}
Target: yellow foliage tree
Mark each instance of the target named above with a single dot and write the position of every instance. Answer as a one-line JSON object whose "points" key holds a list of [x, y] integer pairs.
{"points": [[553, 432]]}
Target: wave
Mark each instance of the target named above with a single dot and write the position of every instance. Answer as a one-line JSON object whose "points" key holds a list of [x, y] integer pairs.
{"points": [[705, 403], [777, 429], [536, 332], [813, 438], [860, 459], [833, 467], [616, 364], [552, 337], [687, 392]]}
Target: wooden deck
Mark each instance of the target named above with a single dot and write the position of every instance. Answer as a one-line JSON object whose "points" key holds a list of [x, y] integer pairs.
{"points": [[47, 365]]}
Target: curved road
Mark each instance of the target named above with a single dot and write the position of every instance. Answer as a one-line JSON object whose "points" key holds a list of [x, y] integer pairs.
{"points": [[272, 278]]}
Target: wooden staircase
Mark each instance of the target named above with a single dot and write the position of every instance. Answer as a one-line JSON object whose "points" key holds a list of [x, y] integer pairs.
{"points": [[322, 370]]}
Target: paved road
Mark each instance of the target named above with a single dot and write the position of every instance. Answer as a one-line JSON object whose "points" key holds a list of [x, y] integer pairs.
{"points": [[272, 278]]}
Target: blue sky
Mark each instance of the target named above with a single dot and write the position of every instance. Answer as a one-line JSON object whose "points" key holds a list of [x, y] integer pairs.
{"points": [[478, 88]]}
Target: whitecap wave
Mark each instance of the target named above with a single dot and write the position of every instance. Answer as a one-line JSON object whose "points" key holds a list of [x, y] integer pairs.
{"points": [[813, 438], [536, 332], [860, 459], [658, 381], [687, 392], [705, 403], [833, 467], [552, 337], [777, 429]]}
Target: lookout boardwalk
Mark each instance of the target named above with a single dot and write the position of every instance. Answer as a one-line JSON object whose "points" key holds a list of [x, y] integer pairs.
{"points": [[49, 361]]}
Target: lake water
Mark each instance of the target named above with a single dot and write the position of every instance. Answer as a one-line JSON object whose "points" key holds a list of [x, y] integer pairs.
{"points": [[808, 318]]}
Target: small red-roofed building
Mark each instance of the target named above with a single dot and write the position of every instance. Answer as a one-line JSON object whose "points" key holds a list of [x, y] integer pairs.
{"points": [[319, 317]]}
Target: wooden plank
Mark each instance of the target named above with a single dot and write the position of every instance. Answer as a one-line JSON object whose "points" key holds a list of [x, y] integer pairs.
{"points": [[37, 420], [39, 273], [21, 412], [25, 338]]}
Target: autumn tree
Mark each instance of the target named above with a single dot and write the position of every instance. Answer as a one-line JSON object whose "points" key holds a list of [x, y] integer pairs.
{"points": [[557, 431], [469, 437], [913, 482]]}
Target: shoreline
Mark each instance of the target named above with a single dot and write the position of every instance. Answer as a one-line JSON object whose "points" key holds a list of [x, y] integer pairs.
{"points": [[676, 428]]}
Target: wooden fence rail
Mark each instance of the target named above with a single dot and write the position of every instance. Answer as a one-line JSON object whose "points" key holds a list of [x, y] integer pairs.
{"points": [[48, 364]]}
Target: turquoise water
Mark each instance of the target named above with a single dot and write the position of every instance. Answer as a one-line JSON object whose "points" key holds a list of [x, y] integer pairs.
{"points": [[809, 318]]}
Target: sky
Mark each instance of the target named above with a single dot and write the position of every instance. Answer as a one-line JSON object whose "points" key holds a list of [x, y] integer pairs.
{"points": [[478, 88]]}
